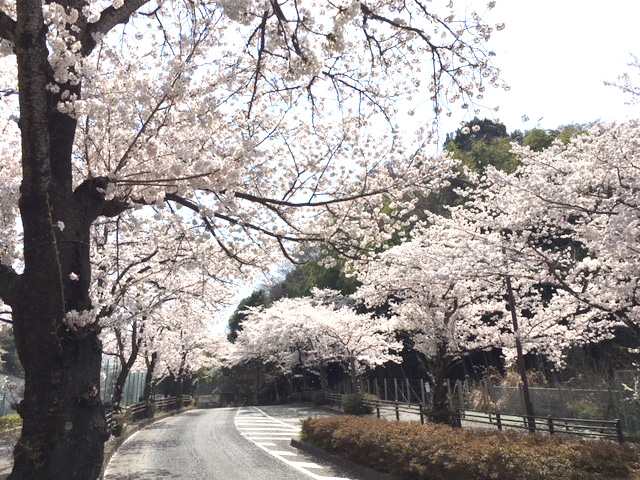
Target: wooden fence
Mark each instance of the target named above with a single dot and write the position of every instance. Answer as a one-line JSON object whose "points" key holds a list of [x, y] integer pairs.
{"points": [[605, 429], [142, 410]]}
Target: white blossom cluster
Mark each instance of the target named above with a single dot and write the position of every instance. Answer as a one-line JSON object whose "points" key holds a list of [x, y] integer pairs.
{"points": [[310, 332], [252, 109], [563, 229], [223, 134]]}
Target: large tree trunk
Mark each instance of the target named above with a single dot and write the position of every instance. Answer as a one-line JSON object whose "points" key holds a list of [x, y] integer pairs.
{"points": [[356, 380], [324, 384], [529, 412], [126, 363], [118, 388], [438, 368], [148, 378], [63, 419]]}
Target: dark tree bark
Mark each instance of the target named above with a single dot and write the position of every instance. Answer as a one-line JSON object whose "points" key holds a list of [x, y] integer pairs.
{"points": [[324, 384], [126, 362], [438, 368], [148, 378], [528, 406], [63, 428], [356, 384]]}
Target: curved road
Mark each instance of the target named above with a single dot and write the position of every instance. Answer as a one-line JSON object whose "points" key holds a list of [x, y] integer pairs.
{"points": [[247, 443]]}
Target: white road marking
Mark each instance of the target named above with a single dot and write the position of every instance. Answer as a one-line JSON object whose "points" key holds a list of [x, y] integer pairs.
{"points": [[251, 426], [277, 428], [308, 465]]}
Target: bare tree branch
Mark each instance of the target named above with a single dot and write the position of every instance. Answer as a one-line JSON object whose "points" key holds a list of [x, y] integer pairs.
{"points": [[8, 283], [109, 18], [7, 27]]}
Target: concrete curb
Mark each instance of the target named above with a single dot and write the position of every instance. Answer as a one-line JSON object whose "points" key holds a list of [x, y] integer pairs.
{"points": [[111, 447], [357, 468]]}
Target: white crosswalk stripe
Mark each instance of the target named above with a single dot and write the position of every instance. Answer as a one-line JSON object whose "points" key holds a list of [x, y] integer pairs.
{"points": [[263, 430]]}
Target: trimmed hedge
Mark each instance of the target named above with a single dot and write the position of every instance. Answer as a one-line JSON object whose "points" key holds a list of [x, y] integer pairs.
{"points": [[10, 421], [438, 452]]}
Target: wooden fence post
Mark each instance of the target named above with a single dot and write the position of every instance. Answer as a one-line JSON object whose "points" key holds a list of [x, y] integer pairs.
{"points": [[550, 425], [619, 431], [397, 411], [498, 421], [421, 407], [485, 394], [378, 407]]}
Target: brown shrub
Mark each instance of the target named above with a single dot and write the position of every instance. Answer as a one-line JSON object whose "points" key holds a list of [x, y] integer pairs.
{"points": [[439, 452]]}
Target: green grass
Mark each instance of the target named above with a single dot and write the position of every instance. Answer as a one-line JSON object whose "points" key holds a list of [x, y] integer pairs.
{"points": [[10, 421]]}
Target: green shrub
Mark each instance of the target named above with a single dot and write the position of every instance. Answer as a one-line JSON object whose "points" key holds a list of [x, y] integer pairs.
{"points": [[10, 421], [369, 398], [586, 409], [352, 404], [439, 452], [319, 398]]}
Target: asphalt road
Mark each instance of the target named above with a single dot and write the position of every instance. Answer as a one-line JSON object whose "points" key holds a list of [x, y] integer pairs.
{"points": [[246, 443]]}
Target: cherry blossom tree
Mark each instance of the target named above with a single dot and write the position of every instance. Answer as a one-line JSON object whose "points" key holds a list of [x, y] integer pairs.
{"points": [[314, 331], [627, 84], [590, 220], [534, 261], [432, 301], [180, 343], [134, 277], [240, 112]]}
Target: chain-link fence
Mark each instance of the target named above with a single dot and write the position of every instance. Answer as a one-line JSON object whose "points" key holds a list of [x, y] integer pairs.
{"points": [[133, 387], [621, 401], [11, 392]]}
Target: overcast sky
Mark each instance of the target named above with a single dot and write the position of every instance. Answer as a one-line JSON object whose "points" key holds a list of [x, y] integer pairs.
{"points": [[556, 54]]}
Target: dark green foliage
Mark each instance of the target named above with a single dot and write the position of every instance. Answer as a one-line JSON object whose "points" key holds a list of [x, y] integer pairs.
{"points": [[538, 139], [353, 404], [300, 281], [256, 299], [439, 452], [490, 145]]}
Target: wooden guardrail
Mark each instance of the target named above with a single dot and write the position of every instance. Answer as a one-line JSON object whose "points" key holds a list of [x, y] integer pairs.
{"points": [[141, 410], [606, 429]]}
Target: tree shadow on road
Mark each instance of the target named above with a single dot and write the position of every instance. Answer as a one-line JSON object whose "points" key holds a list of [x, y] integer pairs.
{"points": [[148, 474]]}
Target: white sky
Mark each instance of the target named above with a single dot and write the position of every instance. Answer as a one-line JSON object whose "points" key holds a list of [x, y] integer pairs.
{"points": [[556, 54]]}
